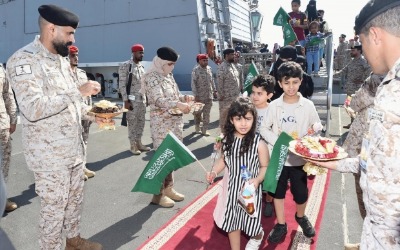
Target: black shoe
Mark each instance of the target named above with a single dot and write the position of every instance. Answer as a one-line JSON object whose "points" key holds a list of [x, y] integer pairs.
{"points": [[347, 126], [278, 233], [308, 229], [269, 209]]}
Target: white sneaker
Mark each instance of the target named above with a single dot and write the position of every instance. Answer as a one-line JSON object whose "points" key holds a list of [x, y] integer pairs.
{"points": [[254, 244]]}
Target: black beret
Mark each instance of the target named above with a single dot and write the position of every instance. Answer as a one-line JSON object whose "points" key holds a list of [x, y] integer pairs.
{"points": [[359, 47], [301, 59], [288, 52], [228, 51], [58, 16], [343, 36], [167, 53], [371, 10]]}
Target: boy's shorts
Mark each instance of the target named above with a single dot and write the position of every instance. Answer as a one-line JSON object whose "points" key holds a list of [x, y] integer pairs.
{"points": [[298, 184]]}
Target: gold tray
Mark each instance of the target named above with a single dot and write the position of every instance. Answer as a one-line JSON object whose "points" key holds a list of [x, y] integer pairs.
{"points": [[341, 155]]}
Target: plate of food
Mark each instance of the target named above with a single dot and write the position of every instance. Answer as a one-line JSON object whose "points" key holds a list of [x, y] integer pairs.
{"points": [[175, 111], [317, 148], [107, 109]]}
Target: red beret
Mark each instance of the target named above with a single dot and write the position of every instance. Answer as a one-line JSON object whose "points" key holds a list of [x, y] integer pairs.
{"points": [[137, 47], [73, 49], [203, 56]]}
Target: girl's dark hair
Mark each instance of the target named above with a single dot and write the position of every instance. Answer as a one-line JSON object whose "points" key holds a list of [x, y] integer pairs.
{"points": [[240, 108], [290, 70], [267, 82]]}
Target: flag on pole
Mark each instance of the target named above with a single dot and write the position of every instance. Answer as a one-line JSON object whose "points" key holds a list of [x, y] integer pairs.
{"points": [[278, 158], [253, 72], [171, 155], [288, 34], [281, 17]]}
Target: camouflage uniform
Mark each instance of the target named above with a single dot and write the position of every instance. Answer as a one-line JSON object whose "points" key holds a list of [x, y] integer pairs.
{"points": [[163, 94], [203, 88], [381, 174], [342, 55], [8, 114], [355, 73], [51, 109], [135, 117], [81, 76], [229, 87]]}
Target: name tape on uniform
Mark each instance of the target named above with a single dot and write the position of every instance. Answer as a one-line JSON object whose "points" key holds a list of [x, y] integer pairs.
{"points": [[23, 69]]}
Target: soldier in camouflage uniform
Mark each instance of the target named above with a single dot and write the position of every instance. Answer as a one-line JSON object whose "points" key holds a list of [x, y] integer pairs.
{"points": [[342, 53], [81, 77], [8, 124], [52, 107], [167, 105], [203, 88], [229, 85], [380, 154], [134, 101], [239, 67]]}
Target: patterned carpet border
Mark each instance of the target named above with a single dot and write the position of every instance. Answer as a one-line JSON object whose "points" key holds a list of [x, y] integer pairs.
{"points": [[162, 236]]}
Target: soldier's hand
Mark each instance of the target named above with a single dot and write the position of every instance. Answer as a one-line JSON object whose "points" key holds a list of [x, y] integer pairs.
{"points": [[13, 127], [184, 107], [128, 105], [106, 121], [189, 98], [90, 88]]}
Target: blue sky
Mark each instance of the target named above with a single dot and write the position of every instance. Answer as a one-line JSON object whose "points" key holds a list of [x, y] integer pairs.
{"points": [[340, 15]]}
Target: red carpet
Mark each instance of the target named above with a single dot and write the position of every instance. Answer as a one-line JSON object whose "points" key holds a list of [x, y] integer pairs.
{"points": [[193, 227]]}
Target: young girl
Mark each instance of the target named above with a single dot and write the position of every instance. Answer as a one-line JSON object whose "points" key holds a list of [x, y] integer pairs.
{"points": [[241, 147]]}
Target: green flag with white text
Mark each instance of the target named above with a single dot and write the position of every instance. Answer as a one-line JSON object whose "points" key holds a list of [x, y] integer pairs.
{"points": [[171, 155], [277, 160], [288, 34], [281, 17], [253, 72]]}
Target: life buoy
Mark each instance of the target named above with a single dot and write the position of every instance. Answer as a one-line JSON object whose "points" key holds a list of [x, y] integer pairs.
{"points": [[211, 48]]}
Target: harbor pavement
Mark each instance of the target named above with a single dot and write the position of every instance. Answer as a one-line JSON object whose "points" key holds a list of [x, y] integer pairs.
{"points": [[120, 219]]}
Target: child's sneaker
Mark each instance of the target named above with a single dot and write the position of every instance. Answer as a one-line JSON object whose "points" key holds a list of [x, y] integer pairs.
{"points": [[278, 233], [308, 229], [269, 209], [254, 244]]}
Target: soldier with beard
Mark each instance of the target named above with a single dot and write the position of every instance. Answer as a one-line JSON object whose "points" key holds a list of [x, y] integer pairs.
{"points": [[130, 76], [52, 107]]}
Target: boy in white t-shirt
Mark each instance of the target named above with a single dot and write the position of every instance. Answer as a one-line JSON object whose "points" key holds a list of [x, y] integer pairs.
{"points": [[262, 91]]}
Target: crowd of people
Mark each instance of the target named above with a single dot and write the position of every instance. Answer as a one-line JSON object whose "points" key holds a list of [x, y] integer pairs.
{"points": [[52, 93]]}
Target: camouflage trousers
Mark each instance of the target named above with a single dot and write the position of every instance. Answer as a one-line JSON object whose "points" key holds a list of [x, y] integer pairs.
{"points": [[61, 196], [160, 126], [379, 236], [136, 120], [205, 112], [5, 138], [223, 111], [85, 130]]}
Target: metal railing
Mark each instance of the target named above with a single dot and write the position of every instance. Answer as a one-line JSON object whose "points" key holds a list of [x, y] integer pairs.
{"points": [[329, 54]]}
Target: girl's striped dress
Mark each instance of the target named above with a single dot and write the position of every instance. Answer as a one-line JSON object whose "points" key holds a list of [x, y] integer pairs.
{"points": [[227, 214]]}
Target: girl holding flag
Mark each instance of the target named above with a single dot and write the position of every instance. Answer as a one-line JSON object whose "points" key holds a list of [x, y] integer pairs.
{"points": [[241, 146]]}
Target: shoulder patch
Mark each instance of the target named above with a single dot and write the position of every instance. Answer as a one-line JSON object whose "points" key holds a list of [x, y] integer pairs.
{"points": [[23, 69]]}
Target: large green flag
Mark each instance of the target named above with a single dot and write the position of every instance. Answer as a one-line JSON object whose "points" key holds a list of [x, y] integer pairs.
{"points": [[288, 34], [253, 72], [278, 158], [171, 155], [281, 17]]}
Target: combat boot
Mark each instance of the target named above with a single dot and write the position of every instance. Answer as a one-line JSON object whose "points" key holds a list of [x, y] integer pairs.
{"points": [[197, 128], [162, 201], [135, 150], [78, 243], [204, 132], [173, 195], [142, 147], [89, 173], [10, 206]]}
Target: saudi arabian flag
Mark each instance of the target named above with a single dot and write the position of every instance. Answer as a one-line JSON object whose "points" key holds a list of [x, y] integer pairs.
{"points": [[288, 34], [171, 155], [277, 160], [281, 17], [253, 72]]}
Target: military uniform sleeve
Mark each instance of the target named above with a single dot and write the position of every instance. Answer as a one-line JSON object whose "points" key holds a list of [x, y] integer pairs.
{"points": [[361, 99], [212, 81], [348, 165], [28, 87], [194, 82], [155, 94], [9, 101], [221, 79], [123, 78]]}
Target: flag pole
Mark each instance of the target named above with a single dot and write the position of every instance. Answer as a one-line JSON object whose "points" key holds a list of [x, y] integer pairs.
{"points": [[201, 165]]}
